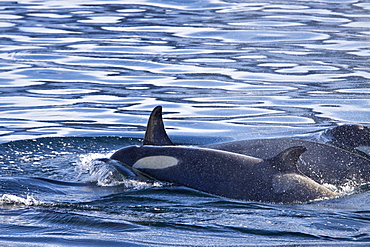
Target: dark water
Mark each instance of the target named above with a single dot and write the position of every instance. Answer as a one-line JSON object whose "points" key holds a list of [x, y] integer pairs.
{"points": [[78, 80]]}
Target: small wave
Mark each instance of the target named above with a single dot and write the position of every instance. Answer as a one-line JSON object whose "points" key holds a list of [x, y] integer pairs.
{"points": [[8, 199], [348, 188], [91, 169]]}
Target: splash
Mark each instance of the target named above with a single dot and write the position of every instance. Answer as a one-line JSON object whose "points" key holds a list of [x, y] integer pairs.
{"points": [[349, 187], [93, 169], [8, 199]]}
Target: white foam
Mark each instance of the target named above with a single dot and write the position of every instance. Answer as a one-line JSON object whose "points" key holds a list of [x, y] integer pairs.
{"points": [[8, 199], [105, 174], [346, 188]]}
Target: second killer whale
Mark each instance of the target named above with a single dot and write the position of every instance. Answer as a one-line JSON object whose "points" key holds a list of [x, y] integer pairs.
{"points": [[323, 163], [228, 170]]}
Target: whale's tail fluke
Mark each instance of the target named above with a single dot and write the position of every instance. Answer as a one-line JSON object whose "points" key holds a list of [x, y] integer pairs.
{"points": [[155, 133]]}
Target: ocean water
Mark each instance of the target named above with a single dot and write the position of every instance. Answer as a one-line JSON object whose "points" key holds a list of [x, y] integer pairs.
{"points": [[78, 80]]}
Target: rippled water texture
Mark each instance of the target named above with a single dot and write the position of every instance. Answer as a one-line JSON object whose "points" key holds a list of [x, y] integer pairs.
{"points": [[222, 70], [233, 69]]}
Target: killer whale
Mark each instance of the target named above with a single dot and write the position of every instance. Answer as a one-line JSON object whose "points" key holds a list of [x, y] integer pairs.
{"points": [[352, 137], [222, 172], [227, 174], [321, 162], [349, 135]]}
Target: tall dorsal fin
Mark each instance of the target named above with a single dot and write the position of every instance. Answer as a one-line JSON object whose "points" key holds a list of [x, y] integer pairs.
{"points": [[286, 161], [155, 133]]}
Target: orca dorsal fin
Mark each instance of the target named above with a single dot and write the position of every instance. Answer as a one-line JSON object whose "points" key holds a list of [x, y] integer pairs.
{"points": [[155, 133], [287, 160]]}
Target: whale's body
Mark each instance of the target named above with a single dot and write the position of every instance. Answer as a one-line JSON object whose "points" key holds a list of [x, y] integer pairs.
{"points": [[227, 174], [270, 170], [349, 135], [322, 163]]}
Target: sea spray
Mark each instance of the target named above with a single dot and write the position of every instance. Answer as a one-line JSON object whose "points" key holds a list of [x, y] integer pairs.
{"points": [[9, 199], [93, 169]]}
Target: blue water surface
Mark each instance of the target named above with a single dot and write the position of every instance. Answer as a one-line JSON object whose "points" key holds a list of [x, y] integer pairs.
{"points": [[78, 80]]}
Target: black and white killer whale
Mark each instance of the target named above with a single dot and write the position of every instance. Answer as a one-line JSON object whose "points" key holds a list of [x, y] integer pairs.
{"points": [[352, 137], [219, 170], [323, 163], [349, 136]]}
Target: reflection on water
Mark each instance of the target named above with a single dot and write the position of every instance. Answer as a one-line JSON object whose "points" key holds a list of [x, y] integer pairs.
{"points": [[219, 68]]}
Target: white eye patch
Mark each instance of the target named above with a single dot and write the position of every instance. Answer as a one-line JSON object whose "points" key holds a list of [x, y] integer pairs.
{"points": [[155, 162]]}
